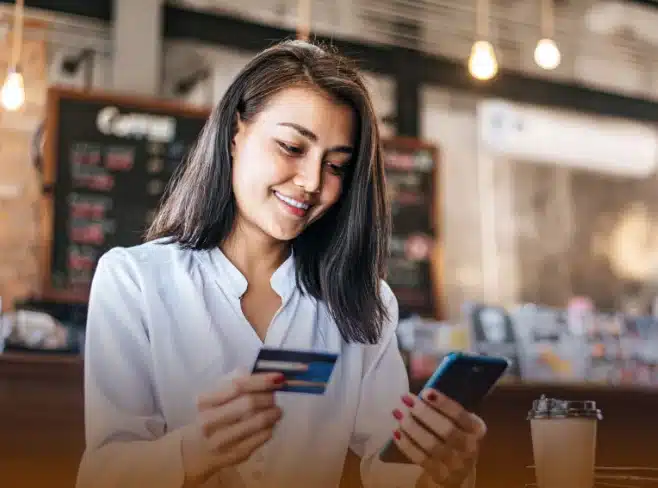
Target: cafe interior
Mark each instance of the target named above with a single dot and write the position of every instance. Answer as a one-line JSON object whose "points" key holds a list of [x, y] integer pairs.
{"points": [[521, 155]]}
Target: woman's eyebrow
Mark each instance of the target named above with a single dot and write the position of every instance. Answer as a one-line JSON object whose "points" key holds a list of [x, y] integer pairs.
{"points": [[302, 130], [311, 136]]}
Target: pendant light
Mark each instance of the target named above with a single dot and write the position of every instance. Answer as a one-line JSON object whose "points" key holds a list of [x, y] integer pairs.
{"points": [[482, 63], [12, 94], [547, 54]]}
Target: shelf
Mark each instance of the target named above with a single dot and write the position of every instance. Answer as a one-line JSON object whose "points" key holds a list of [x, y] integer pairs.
{"points": [[39, 358], [30, 365], [548, 388]]}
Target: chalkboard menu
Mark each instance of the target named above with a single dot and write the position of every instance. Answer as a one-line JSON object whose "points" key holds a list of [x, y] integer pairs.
{"points": [[411, 168], [108, 160]]}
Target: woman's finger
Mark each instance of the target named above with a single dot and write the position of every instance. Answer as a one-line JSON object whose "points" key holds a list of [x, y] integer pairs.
{"points": [[226, 437], [451, 409], [424, 439], [235, 410], [255, 383], [480, 426], [437, 469], [408, 448], [434, 448], [241, 450], [437, 423], [470, 430]]}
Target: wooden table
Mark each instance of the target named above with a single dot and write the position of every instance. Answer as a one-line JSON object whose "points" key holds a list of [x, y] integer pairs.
{"points": [[625, 435], [41, 420], [42, 425]]}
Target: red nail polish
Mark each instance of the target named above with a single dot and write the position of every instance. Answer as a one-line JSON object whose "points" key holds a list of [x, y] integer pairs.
{"points": [[408, 401], [431, 396], [278, 380], [397, 414], [397, 435]]}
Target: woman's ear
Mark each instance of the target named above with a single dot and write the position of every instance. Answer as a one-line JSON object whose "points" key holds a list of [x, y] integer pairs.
{"points": [[238, 131]]}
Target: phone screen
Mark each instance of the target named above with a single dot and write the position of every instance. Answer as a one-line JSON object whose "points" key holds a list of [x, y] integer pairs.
{"points": [[467, 380]]}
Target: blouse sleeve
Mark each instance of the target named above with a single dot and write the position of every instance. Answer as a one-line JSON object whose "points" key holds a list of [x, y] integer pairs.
{"points": [[385, 381], [127, 443]]}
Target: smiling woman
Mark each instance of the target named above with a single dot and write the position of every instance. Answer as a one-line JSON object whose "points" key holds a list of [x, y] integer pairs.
{"points": [[272, 236], [294, 139]]}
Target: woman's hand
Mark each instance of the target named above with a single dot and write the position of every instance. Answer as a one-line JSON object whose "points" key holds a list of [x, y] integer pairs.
{"points": [[438, 434], [231, 424]]}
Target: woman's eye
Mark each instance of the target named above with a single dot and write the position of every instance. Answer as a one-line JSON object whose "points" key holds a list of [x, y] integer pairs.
{"points": [[336, 168], [292, 150]]}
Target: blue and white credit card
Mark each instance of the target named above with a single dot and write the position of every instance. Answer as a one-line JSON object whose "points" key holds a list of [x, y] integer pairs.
{"points": [[304, 371]]}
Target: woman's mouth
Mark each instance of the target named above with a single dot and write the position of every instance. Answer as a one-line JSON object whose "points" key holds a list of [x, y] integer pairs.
{"points": [[295, 207]]}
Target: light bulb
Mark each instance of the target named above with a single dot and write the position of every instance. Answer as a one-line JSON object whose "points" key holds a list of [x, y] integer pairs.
{"points": [[13, 91], [547, 54], [482, 63]]}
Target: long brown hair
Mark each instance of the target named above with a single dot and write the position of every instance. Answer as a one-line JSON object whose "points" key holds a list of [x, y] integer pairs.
{"points": [[340, 258]]}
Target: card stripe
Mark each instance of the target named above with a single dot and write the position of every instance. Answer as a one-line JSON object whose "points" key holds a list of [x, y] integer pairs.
{"points": [[281, 365]]}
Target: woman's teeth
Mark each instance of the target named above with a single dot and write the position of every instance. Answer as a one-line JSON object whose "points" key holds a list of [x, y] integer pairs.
{"points": [[292, 202]]}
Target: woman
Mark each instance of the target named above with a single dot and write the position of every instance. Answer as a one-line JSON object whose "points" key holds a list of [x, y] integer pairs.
{"points": [[274, 234]]}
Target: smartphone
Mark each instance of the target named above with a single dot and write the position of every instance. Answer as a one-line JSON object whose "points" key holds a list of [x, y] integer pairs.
{"points": [[466, 379]]}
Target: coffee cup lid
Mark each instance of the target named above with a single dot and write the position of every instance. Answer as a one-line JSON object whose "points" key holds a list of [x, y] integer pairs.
{"points": [[551, 408]]}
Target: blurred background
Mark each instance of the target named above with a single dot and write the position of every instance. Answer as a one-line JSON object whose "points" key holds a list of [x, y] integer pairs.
{"points": [[521, 152]]}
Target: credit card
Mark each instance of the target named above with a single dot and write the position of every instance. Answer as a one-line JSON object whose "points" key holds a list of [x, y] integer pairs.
{"points": [[304, 371]]}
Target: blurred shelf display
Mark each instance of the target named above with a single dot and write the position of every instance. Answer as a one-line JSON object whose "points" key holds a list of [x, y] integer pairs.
{"points": [[576, 346]]}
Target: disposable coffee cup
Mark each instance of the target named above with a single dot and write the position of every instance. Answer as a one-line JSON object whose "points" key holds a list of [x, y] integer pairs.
{"points": [[564, 442]]}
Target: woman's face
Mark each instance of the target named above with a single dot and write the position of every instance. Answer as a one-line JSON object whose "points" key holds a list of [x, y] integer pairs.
{"points": [[289, 161]]}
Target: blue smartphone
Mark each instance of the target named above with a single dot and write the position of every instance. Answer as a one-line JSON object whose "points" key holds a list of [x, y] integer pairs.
{"points": [[465, 378]]}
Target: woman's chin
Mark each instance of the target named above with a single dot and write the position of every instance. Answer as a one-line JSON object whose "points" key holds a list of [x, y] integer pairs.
{"points": [[283, 228], [282, 233], [284, 236]]}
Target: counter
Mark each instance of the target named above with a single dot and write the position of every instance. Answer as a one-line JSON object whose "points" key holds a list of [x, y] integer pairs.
{"points": [[42, 424], [41, 420]]}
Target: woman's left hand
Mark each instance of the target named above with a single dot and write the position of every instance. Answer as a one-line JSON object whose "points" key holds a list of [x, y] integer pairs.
{"points": [[438, 434]]}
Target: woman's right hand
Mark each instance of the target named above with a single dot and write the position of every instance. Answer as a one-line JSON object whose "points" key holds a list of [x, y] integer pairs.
{"points": [[231, 424]]}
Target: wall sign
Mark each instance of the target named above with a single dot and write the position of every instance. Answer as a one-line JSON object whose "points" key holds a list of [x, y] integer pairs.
{"points": [[108, 160]]}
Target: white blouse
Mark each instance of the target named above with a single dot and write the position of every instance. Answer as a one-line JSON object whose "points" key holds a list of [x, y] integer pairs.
{"points": [[165, 325]]}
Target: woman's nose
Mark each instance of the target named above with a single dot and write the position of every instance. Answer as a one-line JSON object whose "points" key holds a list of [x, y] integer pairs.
{"points": [[309, 175]]}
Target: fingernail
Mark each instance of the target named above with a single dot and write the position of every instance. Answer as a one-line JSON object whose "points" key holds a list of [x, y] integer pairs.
{"points": [[431, 396], [397, 435], [408, 401], [278, 380], [397, 414]]}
